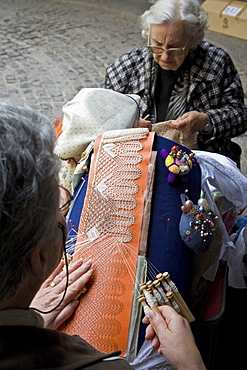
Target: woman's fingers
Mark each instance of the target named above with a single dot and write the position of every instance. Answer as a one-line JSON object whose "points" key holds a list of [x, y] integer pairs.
{"points": [[75, 286], [144, 124], [57, 271], [76, 270], [64, 314], [52, 291], [79, 274]]}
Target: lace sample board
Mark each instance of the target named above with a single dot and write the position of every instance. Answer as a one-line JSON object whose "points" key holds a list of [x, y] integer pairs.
{"points": [[109, 234]]}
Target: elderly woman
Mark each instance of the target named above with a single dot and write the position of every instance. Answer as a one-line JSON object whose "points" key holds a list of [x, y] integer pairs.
{"points": [[189, 83], [31, 246]]}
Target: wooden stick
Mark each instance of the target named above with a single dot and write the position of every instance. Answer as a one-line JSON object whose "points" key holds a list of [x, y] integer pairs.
{"points": [[183, 306], [170, 296]]}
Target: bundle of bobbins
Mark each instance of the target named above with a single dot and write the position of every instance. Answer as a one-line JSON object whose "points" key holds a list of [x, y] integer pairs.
{"points": [[160, 292]]}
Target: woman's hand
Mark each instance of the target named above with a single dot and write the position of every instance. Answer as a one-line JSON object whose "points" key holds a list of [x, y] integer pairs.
{"points": [[189, 122], [51, 292], [174, 339], [143, 123]]}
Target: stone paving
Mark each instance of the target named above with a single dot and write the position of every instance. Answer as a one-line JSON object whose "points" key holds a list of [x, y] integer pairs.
{"points": [[50, 49]]}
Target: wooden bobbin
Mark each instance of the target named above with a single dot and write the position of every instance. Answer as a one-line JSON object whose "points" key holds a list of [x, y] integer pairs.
{"points": [[147, 309], [143, 286], [141, 298], [170, 296], [157, 295], [155, 308], [165, 286], [157, 285], [149, 283], [148, 295], [185, 311], [161, 278]]}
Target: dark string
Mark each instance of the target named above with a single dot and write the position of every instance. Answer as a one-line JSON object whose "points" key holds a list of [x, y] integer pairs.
{"points": [[62, 228]]}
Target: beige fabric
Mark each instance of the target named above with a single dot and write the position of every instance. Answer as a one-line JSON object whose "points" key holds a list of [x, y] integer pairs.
{"points": [[90, 113], [190, 141], [66, 173]]}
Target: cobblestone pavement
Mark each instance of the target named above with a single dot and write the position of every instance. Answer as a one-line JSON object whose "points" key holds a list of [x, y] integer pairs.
{"points": [[51, 49]]}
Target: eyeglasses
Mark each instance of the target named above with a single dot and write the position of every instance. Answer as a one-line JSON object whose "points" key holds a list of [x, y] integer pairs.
{"points": [[65, 199], [158, 50]]}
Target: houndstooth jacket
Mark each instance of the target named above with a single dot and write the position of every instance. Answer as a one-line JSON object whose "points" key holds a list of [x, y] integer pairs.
{"points": [[214, 88]]}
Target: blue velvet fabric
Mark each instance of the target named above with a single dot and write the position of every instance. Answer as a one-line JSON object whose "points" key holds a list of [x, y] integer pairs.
{"points": [[73, 217], [165, 249]]}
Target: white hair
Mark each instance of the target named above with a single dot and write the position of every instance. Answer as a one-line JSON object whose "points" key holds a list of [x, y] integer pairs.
{"points": [[189, 11]]}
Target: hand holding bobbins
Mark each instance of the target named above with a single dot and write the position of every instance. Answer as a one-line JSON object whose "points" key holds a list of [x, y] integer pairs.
{"points": [[162, 292]]}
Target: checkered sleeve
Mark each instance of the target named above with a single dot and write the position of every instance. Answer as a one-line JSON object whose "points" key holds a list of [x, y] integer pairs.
{"points": [[126, 74], [230, 117], [119, 73], [131, 74]]}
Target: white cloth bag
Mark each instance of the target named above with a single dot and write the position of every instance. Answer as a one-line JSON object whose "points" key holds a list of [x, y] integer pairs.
{"points": [[89, 114]]}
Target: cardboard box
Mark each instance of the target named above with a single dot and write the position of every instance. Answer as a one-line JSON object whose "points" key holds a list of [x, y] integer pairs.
{"points": [[227, 17]]}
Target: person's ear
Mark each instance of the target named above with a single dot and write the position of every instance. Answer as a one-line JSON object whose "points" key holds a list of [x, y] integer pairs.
{"points": [[39, 260]]}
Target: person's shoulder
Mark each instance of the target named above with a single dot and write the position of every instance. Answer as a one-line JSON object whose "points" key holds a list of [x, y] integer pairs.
{"points": [[133, 56], [210, 62], [211, 52]]}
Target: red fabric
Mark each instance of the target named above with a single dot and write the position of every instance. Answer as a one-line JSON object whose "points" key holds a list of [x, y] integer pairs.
{"points": [[212, 300]]}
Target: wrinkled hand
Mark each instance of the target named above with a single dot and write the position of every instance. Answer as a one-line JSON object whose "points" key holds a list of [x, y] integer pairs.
{"points": [[48, 297], [144, 124], [174, 339], [189, 122]]}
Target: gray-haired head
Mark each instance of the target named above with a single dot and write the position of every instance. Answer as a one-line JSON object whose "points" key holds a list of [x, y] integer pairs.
{"points": [[189, 11], [28, 190]]}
